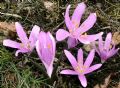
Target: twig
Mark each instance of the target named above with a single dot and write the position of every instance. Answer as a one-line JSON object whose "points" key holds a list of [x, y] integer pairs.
{"points": [[13, 15]]}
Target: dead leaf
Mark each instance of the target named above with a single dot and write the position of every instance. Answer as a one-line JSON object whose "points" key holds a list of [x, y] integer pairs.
{"points": [[116, 38], [4, 26], [106, 83]]}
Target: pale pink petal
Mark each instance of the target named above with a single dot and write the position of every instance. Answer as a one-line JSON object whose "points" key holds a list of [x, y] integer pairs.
{"points": [[53, 43], [112, 52], [38, 48], [71, 59], [10, 43], [96, 48], [34, 35], [61, 34], [50, 70], [89, 59], [42, 39], [87, 24], [87, 39], [21, 33], [80, 57], [83, 80], [72, 42], [93, 68], [100, 44], [69, 72], [78, 12], [68, 22], [20, 51], [108, 41]]}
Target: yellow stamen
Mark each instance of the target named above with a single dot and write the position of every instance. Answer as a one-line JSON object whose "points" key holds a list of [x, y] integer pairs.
{"points": [[22, 45], [76, 24], [49, 46], [80, 70]]}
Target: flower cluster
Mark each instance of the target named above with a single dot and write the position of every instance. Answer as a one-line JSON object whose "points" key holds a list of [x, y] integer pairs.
{"points": [[46, 46]]}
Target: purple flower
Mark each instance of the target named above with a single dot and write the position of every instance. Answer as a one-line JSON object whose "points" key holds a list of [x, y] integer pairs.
{"points": [[26, 45], [77, 31], [106, 49], [80, 68], [46, 47]]}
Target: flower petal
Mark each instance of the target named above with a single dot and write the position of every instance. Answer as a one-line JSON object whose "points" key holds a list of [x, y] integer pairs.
{"points": [[67, 19], [108, 41], [80, 57], [69, 72], [34, 35], [20, 51], [87, 39], [93, 68], [112, 52], [88, 23], [72, 42], [83, 80], [71, 59], [89, 59], [50, 70], [21, 33], [100, 44], [96, 48], [61, 34], [10, 43], [51, 39], [78, 12]]}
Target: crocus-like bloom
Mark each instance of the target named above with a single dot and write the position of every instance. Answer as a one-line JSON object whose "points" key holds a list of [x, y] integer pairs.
{"points": [[80, 68], [26, 45], [77, 31], [46, 47], [106, 49]]}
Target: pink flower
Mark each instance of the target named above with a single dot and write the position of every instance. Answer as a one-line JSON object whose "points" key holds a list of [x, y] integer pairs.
{"points": [[26, 45], [46, 47], [77, 31], [106, 49], [80, 68]]}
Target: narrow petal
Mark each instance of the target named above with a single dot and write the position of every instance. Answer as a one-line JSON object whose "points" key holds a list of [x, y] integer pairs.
{"points": [[112, 52], [80, 57], [108, 41], [10, 43], [78, 12], [87, 39], [71, 59], [93, 68], [100, 44], [89, 59], [20, 51], [72, 42], [88, 23], [53, 43], [61, 34], [83, 80], [21, 33], [69, 72], [38, 48], [95, 47], [50, 70], [68, 22], [34, 35]]}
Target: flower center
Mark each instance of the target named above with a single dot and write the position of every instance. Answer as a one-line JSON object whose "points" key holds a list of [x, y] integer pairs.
{"points": [[25, 46], [76, 24], [80, 69]]}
